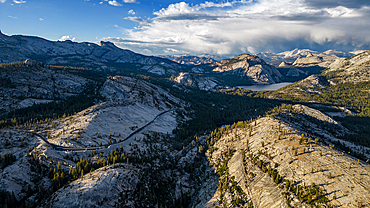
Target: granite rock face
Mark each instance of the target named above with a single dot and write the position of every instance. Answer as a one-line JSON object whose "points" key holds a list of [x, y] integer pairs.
{"points": [[251, 67], [98, 188], [128, 89], [284, 145], [352, 69], [184, 78]]}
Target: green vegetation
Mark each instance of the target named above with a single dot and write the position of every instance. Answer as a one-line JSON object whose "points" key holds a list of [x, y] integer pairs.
{"points": [[87, 166], [35, 114], [352, 96], [212, 110]]}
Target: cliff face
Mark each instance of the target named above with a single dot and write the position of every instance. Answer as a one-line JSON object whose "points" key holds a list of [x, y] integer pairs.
{"points": [[251, 67]]}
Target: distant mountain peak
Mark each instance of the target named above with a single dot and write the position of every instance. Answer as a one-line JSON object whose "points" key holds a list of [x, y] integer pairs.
{"points": [[188, 59], [250, 66]]}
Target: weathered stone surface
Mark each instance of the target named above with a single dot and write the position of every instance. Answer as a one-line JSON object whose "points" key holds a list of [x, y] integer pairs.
{"points": [[100, 188], [261, 187], [130, 89], [251, 67], [333, 171], [353, 69]]}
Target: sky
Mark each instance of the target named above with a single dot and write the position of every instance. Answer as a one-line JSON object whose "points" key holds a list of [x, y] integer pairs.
{"points": [[195, 26]]}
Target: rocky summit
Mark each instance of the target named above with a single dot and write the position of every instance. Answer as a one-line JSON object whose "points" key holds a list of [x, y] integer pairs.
{"points": [[251, 67]]}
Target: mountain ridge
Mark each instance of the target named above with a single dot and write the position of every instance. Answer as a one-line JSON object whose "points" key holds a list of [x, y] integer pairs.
{"points": [[19, 48]]}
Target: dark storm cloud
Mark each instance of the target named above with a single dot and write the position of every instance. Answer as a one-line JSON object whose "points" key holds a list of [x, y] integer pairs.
{"points": [[335, 3], [279, 44], [304, 17]]}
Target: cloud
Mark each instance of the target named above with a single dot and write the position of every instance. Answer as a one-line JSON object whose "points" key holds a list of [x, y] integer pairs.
{"points": [[131, 12], [41, 19], [336, 3], [67, 37], [2, 1], [12, 17], [183, 11], [190, 16], [130, 1], [19, 2], [251, 26], [114, 3], [138, 19], [178, 8]]}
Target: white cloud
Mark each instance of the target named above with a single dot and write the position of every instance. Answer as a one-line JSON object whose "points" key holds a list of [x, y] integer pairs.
{"points": [[212, 4], [131, 12], [114, 3], [41, 19], [67, 37], [178, 8], [130, 1], [19, 2], [12, 17], [341, 11], [248, 26], [2, 1]]}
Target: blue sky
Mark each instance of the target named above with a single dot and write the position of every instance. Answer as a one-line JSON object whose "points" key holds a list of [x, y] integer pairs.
{"points": [[195, 26]]}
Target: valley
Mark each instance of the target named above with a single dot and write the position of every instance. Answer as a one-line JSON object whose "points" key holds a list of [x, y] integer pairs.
{"points": [[88, 125]]}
